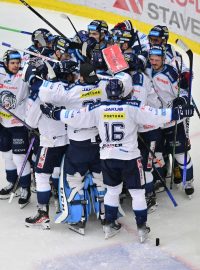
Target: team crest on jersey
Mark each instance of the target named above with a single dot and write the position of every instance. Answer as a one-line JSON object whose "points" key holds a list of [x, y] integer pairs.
{"points": [[8, 100], [114, 115], [92, 93]]}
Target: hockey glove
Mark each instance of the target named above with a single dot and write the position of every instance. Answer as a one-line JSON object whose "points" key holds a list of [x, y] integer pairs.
{"points": [[40, 65], [180, 101], [180, 112], [51, 111]]}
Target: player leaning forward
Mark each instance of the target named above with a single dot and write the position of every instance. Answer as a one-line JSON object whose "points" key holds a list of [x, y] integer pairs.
{"points": [[117, 121]]}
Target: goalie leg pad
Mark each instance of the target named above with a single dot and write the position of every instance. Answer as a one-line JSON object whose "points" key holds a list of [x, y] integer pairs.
{"points": [[98, 191]]}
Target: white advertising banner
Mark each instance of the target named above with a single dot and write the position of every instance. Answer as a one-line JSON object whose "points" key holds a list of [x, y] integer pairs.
{"points": [[181, 16]]}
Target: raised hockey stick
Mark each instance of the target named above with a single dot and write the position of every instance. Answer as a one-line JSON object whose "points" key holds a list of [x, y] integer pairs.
{"points": [[179, 69], [161, 178], [15, 30], [42, 18], [21, 171], [68, 18], [189, 53], [45, 58]]}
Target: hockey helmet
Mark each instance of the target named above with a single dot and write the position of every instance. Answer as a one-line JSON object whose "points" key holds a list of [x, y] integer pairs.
{"points": [[157, 50], [99, 26], [44, 34], [10, 55], [159, 31]]}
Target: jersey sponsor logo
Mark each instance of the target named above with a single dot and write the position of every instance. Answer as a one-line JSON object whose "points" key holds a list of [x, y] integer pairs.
{"points": [[5, 115], [161, 80], [8, 100], [130, 5], [114, 115], [111, 145], [113, 109], [8, 87], [92, 93], [18, 75]]}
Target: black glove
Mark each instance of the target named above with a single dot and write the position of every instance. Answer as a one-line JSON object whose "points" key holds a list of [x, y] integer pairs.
{"points": [[98, 61], [65, 66], [135, 63], [180, 101], [40, 65], [51, 111], [180, 112], [29, 74]]}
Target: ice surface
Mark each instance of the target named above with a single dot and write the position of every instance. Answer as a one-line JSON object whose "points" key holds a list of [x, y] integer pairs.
{"points": [[178, 228]]}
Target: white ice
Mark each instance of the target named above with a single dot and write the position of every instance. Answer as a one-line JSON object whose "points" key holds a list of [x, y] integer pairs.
{"points": [[178, 228]]}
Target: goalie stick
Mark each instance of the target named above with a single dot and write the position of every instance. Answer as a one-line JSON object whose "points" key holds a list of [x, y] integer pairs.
{"points": [[189, 53]]}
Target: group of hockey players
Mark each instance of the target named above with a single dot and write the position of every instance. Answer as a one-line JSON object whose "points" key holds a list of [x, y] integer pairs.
{"points": [[97, 135]]}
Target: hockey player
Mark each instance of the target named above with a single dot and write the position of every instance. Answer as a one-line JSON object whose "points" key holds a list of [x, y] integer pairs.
{"points": [[83, 152], [14, 137], [53, 141], [98, 29], [117, 121], [165, 82]]}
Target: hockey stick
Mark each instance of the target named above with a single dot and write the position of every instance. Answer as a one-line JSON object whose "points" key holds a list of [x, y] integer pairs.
{"points": [[29, 52], [189, 53], [15, 30], [68, 18], [161, 178], [42, 18], [21, 171], [195, 107], [179, 69], [20, 120]]}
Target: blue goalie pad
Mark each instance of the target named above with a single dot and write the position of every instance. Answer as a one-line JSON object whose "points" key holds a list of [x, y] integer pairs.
{"points": [[62, 196], [97, 198]]}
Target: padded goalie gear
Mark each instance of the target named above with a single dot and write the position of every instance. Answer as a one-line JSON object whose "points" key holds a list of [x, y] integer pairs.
{"points": [[97, 192]]}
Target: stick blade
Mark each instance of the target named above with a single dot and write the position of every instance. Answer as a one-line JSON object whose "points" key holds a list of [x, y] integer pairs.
{"points": [[182, 45]]}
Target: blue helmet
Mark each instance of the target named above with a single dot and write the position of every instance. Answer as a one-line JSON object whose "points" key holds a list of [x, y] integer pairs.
{"points": [[157, 50], [114, 89], [11, 54]]}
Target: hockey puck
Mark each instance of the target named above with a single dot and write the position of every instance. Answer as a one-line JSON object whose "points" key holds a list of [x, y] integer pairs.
{"points": [[157, 241]]}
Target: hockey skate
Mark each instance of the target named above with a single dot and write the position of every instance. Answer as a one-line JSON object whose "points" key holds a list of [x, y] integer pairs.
{"points": [[158, 186], [111, 229], [6, 191], [41, 219], [189, 188], [24, 197], [78, 227], [177, 176], [143, 231], [151, 202]]}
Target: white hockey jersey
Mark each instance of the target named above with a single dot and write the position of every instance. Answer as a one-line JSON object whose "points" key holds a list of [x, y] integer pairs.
{"points": [[165, 84], [145, 93], [52, 133], [117, 123], [13, 95], [78, 96]]}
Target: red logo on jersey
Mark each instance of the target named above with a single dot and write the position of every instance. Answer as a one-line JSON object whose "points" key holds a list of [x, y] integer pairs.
{"points": [[130, 5]]}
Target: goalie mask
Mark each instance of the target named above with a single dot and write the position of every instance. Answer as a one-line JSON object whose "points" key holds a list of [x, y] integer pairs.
{"points": [[42, 36]]}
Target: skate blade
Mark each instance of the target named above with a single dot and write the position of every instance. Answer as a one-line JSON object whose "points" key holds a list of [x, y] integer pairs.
{"points": [[6, 197], [111, 234], [80, 231], [44, 226], [23, 205], [152, 209], [142, 239]]}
